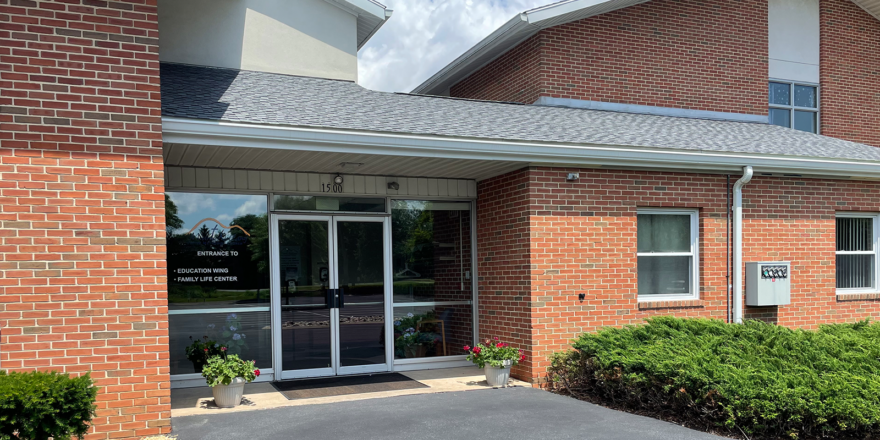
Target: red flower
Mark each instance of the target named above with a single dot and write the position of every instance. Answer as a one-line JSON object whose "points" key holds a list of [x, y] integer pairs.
{"points": [[522, 358], [223, 348], [477, 350], [467, 348], [499, 345], [257, 372], [496, 338], [206, 350]]}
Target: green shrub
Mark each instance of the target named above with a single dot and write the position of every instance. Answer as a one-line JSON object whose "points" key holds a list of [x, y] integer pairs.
{"points": [[760, 379], [40, 405]]}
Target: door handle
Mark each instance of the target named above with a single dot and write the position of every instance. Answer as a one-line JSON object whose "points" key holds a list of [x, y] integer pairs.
{"points": [[330, 301], [335, 298]]}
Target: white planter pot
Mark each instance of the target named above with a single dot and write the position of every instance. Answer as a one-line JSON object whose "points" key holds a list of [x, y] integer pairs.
{"points": [[497, 377], [229, 396]]}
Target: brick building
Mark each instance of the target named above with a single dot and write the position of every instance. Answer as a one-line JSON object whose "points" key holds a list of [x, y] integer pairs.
{"points": [[177, 169]]}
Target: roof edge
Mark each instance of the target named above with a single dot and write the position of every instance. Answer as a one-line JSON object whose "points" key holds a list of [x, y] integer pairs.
{"points": [[370, 13], [515, 31], [212, 132]]}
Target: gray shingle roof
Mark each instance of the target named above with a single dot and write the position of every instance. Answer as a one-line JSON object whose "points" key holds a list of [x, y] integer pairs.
{"points": [[265, 98]]}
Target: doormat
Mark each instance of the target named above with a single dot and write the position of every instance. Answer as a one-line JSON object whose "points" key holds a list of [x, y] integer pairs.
{"points": [[344, 385]]}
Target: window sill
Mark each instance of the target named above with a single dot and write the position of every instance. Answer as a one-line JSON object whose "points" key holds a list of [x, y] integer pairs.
{"points": [[670, 304], [858, 296]]}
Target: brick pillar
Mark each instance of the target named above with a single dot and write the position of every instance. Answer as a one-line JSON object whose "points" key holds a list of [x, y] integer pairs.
{"points": [[82, 250]]}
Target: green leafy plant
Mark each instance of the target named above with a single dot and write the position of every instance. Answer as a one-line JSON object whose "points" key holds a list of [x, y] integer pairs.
{"points": [[200, 350], [38, 405], [221, 370], [497, 354], [755, 379]]}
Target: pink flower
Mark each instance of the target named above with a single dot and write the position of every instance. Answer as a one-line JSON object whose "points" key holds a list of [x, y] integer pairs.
{"points": [[499, 345], [477, 350], [496, 338], [223, 348], [467, 348], [257, 372]]}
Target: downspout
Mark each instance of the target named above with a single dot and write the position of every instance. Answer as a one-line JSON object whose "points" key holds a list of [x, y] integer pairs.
{"points": [[738, 245]]}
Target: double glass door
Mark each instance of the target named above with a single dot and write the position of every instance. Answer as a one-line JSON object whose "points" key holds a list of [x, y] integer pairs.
{"points": [[332, 288]]}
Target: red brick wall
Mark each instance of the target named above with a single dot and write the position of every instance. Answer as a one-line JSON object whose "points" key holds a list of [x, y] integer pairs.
{"points": [[690, 54], [849, 63], [505, 297], [582, 239], [516, 76], [82, 255]]}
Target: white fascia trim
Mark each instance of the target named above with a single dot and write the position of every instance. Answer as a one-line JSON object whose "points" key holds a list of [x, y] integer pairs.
{"points": [[500, 36], [650, 110], [367, 6], [218, 133], [534, 19]]}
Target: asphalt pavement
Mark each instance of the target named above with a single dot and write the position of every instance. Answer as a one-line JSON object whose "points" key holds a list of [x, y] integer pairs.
{"points": [[512, 413]]}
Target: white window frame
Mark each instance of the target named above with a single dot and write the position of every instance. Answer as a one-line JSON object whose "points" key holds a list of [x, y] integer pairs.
{"points": [[875, 217], [695, 253], [791, 107]]}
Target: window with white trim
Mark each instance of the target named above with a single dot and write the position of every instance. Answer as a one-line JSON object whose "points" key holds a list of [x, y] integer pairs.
{"points": [[857, 248], [667, 254], [794, 105]]}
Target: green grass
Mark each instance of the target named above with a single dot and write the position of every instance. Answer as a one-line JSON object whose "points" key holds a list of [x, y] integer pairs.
{"points": [[762, 380]]}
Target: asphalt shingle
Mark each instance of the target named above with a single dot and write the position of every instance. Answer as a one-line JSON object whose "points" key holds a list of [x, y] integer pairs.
{"points": [[265, 98]]}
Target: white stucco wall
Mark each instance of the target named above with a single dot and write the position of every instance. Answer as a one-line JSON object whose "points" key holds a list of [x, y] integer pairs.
{"points": [[794, 40], [297, 37]]}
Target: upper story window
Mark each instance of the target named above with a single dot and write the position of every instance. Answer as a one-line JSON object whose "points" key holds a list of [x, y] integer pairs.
{"points": [[667, 254], [794, 105]]}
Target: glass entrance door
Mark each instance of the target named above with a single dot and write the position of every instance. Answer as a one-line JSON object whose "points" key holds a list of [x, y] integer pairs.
{"points": [[330, 275]]}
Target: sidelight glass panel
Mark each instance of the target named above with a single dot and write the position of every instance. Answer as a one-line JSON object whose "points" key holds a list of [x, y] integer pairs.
{"points": [[431, 251], [218, 250], [432, 331], [664, 233], [665, 275], [247, 334], [360, 247]]}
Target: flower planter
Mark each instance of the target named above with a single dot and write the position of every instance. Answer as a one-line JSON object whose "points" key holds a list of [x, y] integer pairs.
{"points": [[229, 396], [497, 376]]}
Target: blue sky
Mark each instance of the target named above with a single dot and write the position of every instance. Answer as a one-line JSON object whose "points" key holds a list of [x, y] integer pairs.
{"points": [[193, 207], [424, 35]]}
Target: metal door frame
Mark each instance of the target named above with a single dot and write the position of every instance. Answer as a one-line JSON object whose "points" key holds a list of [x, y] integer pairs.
{"points": [[333, 283]]}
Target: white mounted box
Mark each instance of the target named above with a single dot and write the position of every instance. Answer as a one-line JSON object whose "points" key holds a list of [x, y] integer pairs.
{"points": [[768, 283]]}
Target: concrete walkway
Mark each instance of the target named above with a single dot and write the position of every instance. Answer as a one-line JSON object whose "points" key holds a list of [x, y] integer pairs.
{"points": [[511, 413]]}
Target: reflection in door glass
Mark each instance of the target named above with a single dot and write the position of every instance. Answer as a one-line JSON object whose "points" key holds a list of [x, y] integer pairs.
{"points": [[361, 271], [304, 263]]}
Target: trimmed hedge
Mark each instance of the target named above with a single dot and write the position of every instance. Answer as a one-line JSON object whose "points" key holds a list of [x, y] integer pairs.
{"points": [[757, 379], [39, 405]]}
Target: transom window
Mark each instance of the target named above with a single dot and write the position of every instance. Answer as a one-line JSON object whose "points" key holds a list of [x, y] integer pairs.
{"points": [[794, 105], [667, 254], [857, 253]]}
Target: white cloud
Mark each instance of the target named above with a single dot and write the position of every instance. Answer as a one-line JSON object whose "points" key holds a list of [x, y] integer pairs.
{"points": [[423, 36], [188, 203], [253, 205]]}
